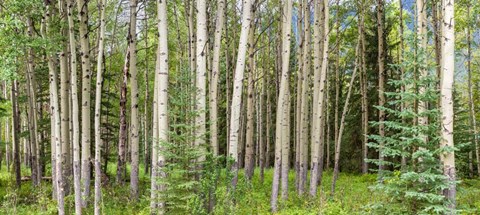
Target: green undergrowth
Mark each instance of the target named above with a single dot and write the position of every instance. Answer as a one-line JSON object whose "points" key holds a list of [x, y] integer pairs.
{"points": [[351, 197]]}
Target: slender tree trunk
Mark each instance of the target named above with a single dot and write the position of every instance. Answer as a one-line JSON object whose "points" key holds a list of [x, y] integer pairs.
{"points": [[82, 7], [262, 136], [8, 156], [16, 132], [237, 89], [402, 71], [422, 46], [282, 128], [286, 148], [364, 88], [437, 38], [337, 74], [146, 100], [75, 112], [46, 22], [64, 104], [134, 102], [471, 102], [298, 106], [219, 23], [318, 116], [55, 112], [381, 79], [98, 108], [249, 136], [304, 102], [201, 74], [122, 140], [338, 144], [32, 116], [448, 66], [160, 121]]}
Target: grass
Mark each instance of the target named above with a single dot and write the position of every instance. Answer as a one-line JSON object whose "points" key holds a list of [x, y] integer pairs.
{"points": [[352, 195]]}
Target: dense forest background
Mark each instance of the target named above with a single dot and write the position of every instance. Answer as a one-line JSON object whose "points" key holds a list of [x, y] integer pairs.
{"points": [[239, 107]]}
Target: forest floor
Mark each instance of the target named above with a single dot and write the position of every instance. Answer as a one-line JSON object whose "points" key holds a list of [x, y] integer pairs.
{"points": [[352, 195]]}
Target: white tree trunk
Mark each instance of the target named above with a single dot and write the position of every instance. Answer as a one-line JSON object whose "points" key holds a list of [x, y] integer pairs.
{"points": [[249, 136], [303, 140], [74, 108], [317, 118], [98, 109], [160, 105], [237, 89], [446, 90], [282, 128], [134, 101], [215, 76], [201, 75], [82, 7]]}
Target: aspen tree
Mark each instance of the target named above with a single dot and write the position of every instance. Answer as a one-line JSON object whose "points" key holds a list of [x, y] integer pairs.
{"points": [[98, 108], [422, 45], [55, 112], [64, 103], [318, 115], [337, 72], [446, 90], [402, 71], [237, 89], [146, 127], [160, 114], [249, 136], [471, 102], [364, 87], [304, 101], [74, 108], [381, 79], [299, 86], [338, 144], [219, 23], [134, 140], [16, 132], [82, 7], [32, 121], [123, 133], [201, 74], [282, 128]]}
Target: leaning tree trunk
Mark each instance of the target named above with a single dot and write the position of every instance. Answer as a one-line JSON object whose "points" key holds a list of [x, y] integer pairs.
{"points": [[82, 7], [98, 108], [282, 128], [237, 89], [134, 101], [446, 91], [338, 144]]}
